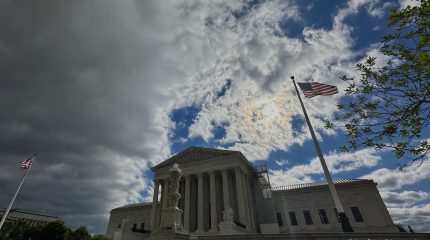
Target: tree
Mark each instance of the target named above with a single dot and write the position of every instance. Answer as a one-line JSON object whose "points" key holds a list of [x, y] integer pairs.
{"points": [[389, 105], [12, 230], [20, 230], [53, 231], [79, 234]]}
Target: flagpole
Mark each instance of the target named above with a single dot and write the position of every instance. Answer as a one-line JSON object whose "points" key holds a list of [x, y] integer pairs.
{"points": [[14, 196], [346, 226]]}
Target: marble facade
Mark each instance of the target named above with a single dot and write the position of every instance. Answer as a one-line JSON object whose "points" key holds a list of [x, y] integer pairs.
{"points": [[222, 193], [217, 181]]}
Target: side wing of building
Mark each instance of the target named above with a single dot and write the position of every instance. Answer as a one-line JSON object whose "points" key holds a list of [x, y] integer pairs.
{"points": [[129, 222], [29, 217], [309, 207]]}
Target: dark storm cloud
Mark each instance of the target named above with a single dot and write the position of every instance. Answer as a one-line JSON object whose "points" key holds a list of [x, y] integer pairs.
{"points": [[77, 86]]}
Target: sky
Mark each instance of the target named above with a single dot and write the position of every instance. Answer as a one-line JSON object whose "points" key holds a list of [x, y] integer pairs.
{"points": [[104, 90]]}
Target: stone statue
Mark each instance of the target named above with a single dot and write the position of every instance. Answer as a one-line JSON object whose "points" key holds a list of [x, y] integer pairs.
{"points": [[228, 215], [171, 217]]}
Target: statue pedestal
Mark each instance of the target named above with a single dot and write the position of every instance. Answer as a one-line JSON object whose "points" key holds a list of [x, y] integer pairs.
{"points": [[171, 224], [171, 219]]}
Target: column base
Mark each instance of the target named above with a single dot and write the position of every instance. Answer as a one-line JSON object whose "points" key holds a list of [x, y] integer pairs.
{"points": [[199, 232], [213, 230], [169, 234]]}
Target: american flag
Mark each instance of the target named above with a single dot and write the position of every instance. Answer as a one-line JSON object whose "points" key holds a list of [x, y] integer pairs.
{"points": [[26, 164], [313, 89]]}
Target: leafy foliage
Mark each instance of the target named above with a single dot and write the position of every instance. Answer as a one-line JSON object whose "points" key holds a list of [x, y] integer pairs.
{"points": [[19, 230], [390, 104]]}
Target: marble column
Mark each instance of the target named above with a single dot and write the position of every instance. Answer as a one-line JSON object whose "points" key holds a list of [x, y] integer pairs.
{"points": [[225, 189], [154, 204], [213, 200], [240, 196], [247, 197], [187, 202], [200, 220], [160, 205], [250, 201], [165, 193]]}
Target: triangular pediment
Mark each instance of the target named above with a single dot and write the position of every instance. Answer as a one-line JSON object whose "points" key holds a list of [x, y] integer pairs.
{"points": [[195, 154]]}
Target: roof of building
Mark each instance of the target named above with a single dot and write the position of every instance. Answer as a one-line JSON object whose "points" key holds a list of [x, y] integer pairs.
{"points": [[134, 205], [317, 184], [198, 153], [19, 210]]}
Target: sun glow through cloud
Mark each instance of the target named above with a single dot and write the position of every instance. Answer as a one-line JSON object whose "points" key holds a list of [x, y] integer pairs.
{"points": [[269, 111]]}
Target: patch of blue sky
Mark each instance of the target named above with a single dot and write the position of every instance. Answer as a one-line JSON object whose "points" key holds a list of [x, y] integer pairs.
{"points": [[418, 186], [297, 122], [245, 10], [183, 118], [219, 131], [367, 29], [311, 16], [224, 88], [279, 155], [179, 146]]}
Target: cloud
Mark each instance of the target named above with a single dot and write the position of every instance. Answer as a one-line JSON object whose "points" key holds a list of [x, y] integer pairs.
{"points": [[418, 217], [403, 199], [391, 179], [337, 163], [282, 162], [412, 3], [258, 109], [84, 84], [404, 206]]}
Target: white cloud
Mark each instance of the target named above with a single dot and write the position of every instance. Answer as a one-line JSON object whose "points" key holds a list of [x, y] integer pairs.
{"points": [[418, 217], [259, 107], [404, 198], [282, 162], [391, 179], [337, 163], [412, 3]]}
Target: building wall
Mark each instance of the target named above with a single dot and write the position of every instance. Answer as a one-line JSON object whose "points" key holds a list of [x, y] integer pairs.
{"points": [[122, 219], [320, 236], [362, 195], [33, 219]]}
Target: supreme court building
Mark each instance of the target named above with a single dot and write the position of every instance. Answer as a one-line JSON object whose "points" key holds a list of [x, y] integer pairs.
{"points": [[222, 193]]}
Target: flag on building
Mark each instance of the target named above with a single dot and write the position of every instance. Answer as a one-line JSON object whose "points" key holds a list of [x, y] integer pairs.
{"points": [[26, 164], [313, 89]]}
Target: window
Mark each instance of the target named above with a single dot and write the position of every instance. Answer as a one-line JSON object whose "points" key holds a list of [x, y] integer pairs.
{"points": [[279, 217], [293, 219], [357, 215], [142, 226], [308, 217], [323, 216]]}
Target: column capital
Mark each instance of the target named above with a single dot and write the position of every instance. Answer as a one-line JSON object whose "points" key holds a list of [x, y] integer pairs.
{"points": [[212, 172]]}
